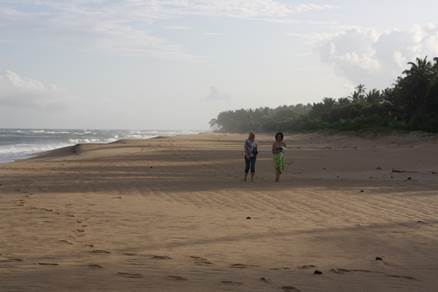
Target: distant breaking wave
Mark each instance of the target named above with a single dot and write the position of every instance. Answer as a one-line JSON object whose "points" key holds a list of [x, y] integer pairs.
{"points": [[24, 143]]}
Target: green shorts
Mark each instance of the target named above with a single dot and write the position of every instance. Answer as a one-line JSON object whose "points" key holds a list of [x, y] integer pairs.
{"points": [[279, 161]]}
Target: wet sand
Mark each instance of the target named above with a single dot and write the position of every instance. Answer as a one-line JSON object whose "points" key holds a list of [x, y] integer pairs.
{"points": [[173, 214]]}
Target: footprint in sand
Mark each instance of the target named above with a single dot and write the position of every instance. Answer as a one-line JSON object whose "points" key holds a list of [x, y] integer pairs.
{"points": [[130, 254], [232, 283], [66, 242], [241, 266], [130, 275], [200, 261], [176, 278], [95, 266], [343, 271], [290, 289], [100, 251], [402, 277], [282, 268], [160, 257], [48, 264], [306, 267], [265, 280], [11, 260]]}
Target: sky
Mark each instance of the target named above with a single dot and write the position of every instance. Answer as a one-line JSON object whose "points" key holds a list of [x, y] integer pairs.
{"points": [[175, 64]]}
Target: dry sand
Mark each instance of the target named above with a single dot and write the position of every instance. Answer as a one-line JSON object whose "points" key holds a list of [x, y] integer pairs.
{"points": [[173, 214]]}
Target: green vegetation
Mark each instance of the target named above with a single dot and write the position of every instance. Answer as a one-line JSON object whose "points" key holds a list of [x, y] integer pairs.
{"points": [[410, 104]]}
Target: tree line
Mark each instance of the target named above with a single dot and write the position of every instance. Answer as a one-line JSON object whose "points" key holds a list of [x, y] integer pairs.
{"points": [[410, 104]]}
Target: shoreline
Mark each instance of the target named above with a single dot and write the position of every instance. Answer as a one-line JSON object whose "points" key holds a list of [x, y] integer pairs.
{"points": [[27, 153], [415, 135]]}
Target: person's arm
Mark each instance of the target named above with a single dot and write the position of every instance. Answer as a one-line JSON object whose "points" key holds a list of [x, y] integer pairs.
{"points": [[274, 149], [247, 150]]}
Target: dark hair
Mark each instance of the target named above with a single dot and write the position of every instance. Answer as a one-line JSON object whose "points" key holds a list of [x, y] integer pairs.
{"points": [[279, 134]]}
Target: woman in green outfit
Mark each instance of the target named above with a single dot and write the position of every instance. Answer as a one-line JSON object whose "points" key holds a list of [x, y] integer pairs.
{"points": [[278, 148]]}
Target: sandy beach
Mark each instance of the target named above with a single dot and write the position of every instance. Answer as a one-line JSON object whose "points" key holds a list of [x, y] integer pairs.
{"points": [[173, 214]]}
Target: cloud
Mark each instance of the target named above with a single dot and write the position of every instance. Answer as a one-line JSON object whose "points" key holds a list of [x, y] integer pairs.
{"points": [[213, 34], [177, 27], [366, 56], [121, 27], [216, 95], [239, 8], [22, 92]]}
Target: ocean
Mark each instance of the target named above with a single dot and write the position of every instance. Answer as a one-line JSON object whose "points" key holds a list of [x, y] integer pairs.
{"points": [[18, 144]]}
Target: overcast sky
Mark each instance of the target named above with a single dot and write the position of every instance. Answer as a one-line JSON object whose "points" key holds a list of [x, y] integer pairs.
{"points": [[175, 64]]}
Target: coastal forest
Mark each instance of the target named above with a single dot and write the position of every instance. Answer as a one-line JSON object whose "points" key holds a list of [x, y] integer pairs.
{"points": [[410, 104]]}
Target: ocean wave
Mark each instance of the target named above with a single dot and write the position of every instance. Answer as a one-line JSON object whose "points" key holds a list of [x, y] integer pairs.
{"points": [[140, 136], [24, 143], [92, 140], [29, 148], [11, 153]]}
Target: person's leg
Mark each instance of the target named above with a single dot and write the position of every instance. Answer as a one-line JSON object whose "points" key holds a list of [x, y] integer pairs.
{"points": [[281, 166], [253, 162], [277, 166], [277, 175], [247, 166]]}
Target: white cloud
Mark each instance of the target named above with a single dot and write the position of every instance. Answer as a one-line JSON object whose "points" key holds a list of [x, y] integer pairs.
{"points": [[213, 34], [216, 95], [239, 8], [23, 92], [177, 27], [121, 26], [366, 56]]}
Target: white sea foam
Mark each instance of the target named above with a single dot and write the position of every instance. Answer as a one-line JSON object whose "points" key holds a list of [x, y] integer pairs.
{"points": [[9, 153], [24, 143]]}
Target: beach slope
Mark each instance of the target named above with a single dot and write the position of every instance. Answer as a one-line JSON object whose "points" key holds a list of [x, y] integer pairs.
{"points": [[173, 214]]}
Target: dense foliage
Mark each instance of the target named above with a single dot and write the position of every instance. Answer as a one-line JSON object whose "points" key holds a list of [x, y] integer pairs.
{"points": [[410, 104]]}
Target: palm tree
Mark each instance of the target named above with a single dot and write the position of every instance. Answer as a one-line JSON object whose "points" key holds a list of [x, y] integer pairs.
{"points": [[358, 94], [373, 96]]}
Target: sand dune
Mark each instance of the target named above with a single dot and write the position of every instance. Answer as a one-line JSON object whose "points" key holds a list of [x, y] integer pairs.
{"points": [[172, 214]]}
